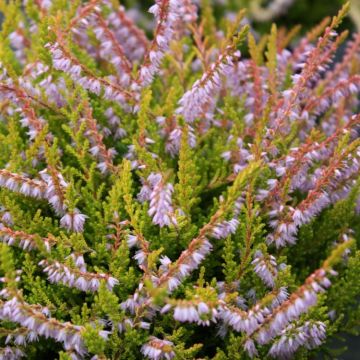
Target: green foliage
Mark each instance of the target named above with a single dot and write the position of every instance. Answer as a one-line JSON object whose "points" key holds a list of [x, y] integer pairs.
{"points": [[187, 188]]}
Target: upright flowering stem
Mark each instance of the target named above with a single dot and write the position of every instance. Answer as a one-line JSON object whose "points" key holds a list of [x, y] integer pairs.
{"points": [[166, 15], [313, 65], [19, 183], [344, 67], [82, 280], [203, 92], [64, 61], [83, 13], [160, 201], [132, 38], [36, 320], [113, 50], [98, 148], [317, 198], [24, 240]]}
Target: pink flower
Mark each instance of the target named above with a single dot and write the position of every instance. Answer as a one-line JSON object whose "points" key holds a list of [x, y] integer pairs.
{"points": [[73, 221]]}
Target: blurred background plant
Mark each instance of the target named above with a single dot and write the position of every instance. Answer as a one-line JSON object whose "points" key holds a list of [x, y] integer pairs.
{"points": [[261, 13]]}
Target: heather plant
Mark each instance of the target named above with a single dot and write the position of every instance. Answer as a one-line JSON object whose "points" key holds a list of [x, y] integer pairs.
{"points": [[169, 197]]}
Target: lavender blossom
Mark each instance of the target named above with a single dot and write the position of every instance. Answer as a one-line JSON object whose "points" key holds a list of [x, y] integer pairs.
{"points": [[265, 268], [99, 86], [166, 13], [132, 38], [184, 313], [225, 228], [20, 238], [56, 185], [160, 201], [11, 353], [250, 348], [73, 221], [39, 323], [310, 334], [242, 321], [157, 349], [22, 184], [82, 280], [185, 267], [203, 91], [202, 314]]}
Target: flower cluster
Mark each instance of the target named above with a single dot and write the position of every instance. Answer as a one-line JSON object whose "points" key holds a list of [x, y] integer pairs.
{"points": [[39, 322], [199, 313], [189, 260], [73, 221], [159, 195], [250, 320], [55, 187], [9, 353], [265, 268], [201, 98], [98, 149], [329, 185], [158, 349], [225, 228], [82, 280], [22, 184], [290, 310], [24, 240], [128, 34], [308, 335], [166, 13], [63, 61]]}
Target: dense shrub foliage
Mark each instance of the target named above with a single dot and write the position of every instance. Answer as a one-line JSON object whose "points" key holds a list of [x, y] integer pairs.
{"points": [[171, 198]]}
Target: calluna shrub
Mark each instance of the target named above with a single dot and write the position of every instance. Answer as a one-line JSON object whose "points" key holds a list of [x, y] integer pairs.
{"points": [[171, 198]]}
